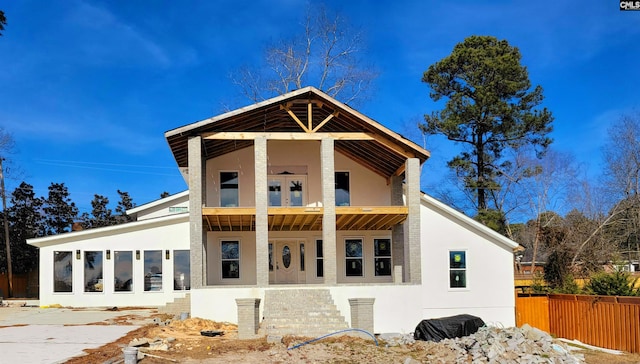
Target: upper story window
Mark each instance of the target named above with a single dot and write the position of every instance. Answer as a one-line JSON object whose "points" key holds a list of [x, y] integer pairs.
{"points": [[178, 209], [457, 269], [229, 189], [343, 197]]}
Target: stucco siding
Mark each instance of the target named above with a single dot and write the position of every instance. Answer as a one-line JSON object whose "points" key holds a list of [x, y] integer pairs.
{"points": [[172, 235], [396, 308], [367, 188], [489, 271]]}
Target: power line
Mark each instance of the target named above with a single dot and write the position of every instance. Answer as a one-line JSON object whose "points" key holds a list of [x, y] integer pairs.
{"points": [[103, 164]]}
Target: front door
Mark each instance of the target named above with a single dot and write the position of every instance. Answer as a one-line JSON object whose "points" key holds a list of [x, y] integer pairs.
{"points": [[284, 258]]}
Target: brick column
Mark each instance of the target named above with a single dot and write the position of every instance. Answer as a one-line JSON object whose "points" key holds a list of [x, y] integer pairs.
{"points": [[197, 233], [329, 216], [397, 232], [362, 313], [262, 218], [248, 317], [412, 182]]}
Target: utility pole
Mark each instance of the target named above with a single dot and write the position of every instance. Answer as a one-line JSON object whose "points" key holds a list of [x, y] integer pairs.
{"points": [[6, 231]]}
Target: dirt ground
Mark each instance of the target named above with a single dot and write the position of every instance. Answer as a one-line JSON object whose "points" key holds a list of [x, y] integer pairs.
{"points": [[187, 345]]}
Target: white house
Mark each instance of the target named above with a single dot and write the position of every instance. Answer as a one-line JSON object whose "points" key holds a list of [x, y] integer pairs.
{"points": [[299, 193]]}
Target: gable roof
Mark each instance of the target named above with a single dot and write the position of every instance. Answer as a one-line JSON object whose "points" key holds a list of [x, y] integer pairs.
{"points": [[467, 222], [301, 114]]}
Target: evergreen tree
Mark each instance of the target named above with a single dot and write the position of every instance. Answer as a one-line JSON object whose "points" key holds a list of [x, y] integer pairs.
{"points": [[60, 212], [101, 214], [490, 107], [125, 203], [25, 222]]}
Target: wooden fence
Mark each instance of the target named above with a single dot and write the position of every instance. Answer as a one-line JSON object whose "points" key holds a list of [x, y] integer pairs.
{"points": [[605, 321], [533, 310], [24, 285]]}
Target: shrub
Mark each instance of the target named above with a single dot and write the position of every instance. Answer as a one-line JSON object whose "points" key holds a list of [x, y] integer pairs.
{"points": [[568, 286], [612, 284]]}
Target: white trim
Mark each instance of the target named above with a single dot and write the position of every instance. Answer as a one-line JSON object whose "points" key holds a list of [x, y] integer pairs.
{"points": [[468, 222]]}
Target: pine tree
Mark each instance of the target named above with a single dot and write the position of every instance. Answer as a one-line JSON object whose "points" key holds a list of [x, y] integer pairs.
{"points": [[125, 203], [60, 212], [490, 107], [25, 222]]}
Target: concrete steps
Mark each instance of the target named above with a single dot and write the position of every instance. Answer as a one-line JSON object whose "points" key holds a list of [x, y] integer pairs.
{"points": [[178, 306], [302, 312]]}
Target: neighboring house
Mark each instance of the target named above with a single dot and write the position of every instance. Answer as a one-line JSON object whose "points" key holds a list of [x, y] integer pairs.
{"points": [[298, 193]]}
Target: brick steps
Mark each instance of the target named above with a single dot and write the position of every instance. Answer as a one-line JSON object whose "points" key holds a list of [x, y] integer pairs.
{"points": [[303, 312], [178, 306]]}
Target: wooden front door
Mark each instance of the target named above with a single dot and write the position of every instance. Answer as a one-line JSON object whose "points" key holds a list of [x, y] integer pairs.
{"points": [[284, 261]]}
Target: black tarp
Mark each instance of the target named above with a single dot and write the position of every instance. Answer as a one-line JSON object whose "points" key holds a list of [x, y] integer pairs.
{"points": [[447, 327]]}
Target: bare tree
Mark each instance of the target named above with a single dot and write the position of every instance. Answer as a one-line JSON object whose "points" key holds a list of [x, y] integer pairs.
{"points": [[622, 156], [325, 54]]}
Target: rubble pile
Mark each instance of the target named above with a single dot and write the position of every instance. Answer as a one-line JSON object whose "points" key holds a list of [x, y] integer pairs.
{"points": [[511, 345]]}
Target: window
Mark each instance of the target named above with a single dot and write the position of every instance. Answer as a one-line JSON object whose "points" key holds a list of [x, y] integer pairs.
{"points": [[457, 269], [382, 256], [178, 209], [230, 259], [275, 192], [93, 271], [302, 257], [353, 257], [153, 270], [181, 270], [229, 189], [123, 271], [342, 189], [270, 257], [62, 271], [319, 259]]}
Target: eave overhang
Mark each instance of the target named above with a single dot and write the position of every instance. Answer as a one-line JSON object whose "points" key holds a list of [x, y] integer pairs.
{"points": [[305, 114]]}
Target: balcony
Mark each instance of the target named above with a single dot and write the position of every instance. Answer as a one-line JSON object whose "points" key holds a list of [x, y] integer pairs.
{"points": [[304, 218]]}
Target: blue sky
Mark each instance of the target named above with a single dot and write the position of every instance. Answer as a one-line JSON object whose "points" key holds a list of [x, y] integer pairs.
{"points": [[90, 87]]}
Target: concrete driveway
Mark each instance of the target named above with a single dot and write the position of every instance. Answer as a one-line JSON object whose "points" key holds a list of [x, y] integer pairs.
{"points": [[53, 335]]}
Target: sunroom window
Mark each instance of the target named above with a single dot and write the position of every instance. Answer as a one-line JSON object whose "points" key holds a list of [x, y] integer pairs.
{"points": [[62, 271]]}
